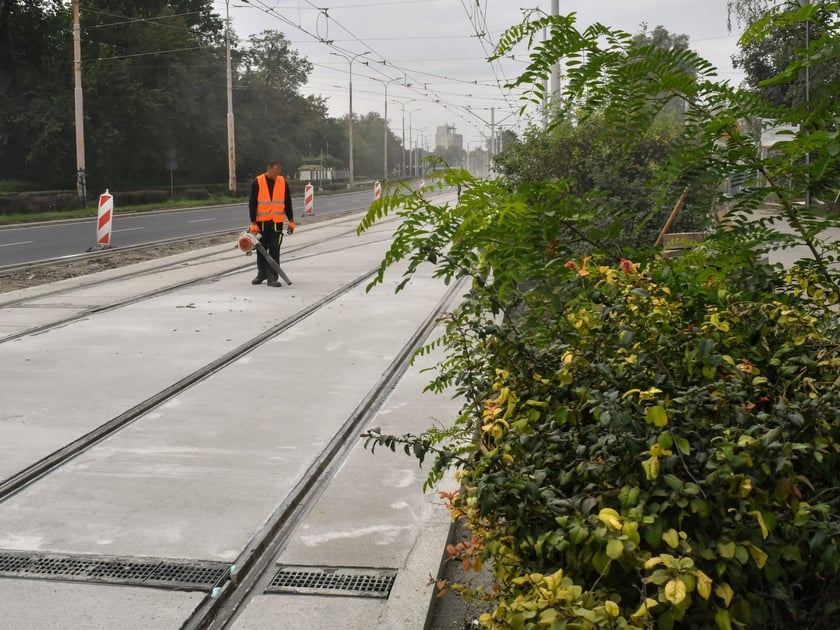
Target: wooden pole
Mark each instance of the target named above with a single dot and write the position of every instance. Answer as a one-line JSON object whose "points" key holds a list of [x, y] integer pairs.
{"points": [[671, 218]]}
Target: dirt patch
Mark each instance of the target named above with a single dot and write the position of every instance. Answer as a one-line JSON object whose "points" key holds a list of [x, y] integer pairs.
{"points": [[62, 270], [450, 611]]}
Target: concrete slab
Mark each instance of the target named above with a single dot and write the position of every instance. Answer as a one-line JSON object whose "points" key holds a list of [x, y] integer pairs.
{"points": [[60, 384], [45, 605], [373, 514], [199, 475]]}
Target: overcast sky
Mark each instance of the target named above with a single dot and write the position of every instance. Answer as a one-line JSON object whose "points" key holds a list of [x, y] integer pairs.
{"points": [[440, 48]]}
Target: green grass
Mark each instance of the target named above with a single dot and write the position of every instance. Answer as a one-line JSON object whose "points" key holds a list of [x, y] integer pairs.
{"points": [[91, 212]]}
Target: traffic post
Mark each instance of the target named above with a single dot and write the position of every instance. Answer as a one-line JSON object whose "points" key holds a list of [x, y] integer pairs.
{"points": [[104, 219], [308, 199], [377, 190]]}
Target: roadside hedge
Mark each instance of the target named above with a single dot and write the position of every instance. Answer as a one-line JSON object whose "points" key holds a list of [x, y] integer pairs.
{"points": [[646, 442]]}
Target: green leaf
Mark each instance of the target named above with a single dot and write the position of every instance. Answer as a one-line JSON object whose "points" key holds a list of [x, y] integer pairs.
{"points": [[726, 550], [722, 619], [615, 548], [675, 591], [656, 415]]}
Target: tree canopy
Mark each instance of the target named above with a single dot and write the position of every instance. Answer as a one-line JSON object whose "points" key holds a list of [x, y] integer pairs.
{"points": [[154, 88]]}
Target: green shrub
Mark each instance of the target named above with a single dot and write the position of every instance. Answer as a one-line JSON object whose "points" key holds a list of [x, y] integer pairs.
{"points": [[645, 444], [676, 451], [197, 193], [139, 197], [33, 203]]}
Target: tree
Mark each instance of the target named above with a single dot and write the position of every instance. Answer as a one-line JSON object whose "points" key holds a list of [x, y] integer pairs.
{"points": [[162, 62], [35, 132], [152, 60], [620, 178], [768, 57], [275, 119]]}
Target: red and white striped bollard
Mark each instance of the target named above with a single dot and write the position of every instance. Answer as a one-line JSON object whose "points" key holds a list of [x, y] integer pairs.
{"points": [[308, 199], [104, 219]]}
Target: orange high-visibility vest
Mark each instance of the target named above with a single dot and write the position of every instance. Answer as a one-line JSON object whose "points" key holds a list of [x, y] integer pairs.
{"points": [[268, 208]]}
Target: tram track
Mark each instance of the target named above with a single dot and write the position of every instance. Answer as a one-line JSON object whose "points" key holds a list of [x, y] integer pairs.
{"points": [[219, 609], [26, 476], [290, 254], [44, 466], [166, 449], [114, 255]]}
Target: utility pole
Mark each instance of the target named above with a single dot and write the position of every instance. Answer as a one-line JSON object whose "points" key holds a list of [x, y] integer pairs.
{"points": [[807, 96], [231, 150], [385, 125], [81, 184], [492, 131]]}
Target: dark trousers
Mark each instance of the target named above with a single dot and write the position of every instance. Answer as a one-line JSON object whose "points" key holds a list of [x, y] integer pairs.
{"points": [[271, 238]]}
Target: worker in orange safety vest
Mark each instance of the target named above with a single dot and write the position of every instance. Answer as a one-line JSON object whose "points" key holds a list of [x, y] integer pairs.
{"points": [[270, 206]]}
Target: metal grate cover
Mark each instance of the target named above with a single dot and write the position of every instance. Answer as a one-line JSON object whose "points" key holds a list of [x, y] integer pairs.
{"points": [[348, 581], [201, 576]]}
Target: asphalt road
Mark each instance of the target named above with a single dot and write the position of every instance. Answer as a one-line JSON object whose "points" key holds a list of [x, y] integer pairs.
{"points": [[67, 239]]}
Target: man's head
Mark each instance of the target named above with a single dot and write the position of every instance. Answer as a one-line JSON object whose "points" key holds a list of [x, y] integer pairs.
{"points": [[273, 169]]}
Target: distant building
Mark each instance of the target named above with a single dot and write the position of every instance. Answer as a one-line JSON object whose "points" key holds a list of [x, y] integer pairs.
{"points": [[315, 173], [446, 138]]}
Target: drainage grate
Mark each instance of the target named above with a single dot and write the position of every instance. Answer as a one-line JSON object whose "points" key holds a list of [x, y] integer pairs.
{"points": [[201, 576], [357, 582]]}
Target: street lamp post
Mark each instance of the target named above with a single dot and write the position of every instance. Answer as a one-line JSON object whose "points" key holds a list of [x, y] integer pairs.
{"points": [[350, 60], [419, 149], [402, 106], [410, 151], [385, 125], [231, 150]]}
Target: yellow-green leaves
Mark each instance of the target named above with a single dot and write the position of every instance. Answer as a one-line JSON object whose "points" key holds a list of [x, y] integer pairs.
{"points": [[760, 518], [726, 550], [675, 591], [615, 548], [610, 518], [651, 468], [645, 608], [671, 538], [656, 415], [704, 584]]}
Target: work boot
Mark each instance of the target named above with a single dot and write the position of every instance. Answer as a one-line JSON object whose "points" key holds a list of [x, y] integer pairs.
{"points": [[274, 283], [259, 279]]}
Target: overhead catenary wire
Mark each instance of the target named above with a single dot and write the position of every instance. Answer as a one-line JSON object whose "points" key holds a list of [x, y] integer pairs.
{"points": [[412, 77]]}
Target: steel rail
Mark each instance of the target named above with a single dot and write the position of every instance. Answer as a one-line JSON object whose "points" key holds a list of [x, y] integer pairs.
{"points": [[17, 482], [131, 274], [219, 608], [82, 314], [115, 251]]}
